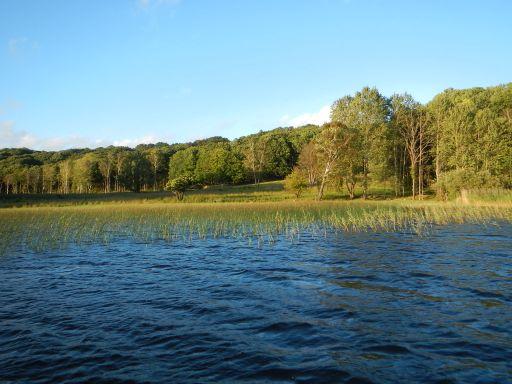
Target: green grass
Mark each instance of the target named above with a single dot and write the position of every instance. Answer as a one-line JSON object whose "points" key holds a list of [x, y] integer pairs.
{"points": [[270, 191], [263, 192], [497, 195]]}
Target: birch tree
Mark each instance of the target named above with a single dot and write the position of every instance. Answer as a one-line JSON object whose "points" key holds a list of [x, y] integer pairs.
{"points": [[331, 143]]}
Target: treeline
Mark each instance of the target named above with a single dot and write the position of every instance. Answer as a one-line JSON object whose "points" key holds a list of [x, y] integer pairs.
{"points": [[149, 166], [460, 139], [112, 169]]}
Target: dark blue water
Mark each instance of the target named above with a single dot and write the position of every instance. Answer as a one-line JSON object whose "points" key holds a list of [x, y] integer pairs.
{"points": [[355, 308]]}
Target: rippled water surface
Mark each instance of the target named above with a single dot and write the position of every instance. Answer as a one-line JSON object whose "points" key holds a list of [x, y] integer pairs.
{"points": [[356, 308]]}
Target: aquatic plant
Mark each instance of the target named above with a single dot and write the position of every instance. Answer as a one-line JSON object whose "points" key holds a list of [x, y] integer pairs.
{"points": [[45, 227]]}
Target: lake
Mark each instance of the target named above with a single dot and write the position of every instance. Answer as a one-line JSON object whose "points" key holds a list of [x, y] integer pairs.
{"points": [[371, 307]]}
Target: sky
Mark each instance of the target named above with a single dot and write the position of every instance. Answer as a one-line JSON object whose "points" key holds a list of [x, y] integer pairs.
{"points": [[89, 73]]}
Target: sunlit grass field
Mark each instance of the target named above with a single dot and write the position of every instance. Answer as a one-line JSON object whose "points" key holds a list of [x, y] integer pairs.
{"points": [[258, 215], [263, 192]]}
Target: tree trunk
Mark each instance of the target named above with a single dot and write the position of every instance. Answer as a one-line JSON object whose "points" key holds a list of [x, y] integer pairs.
{"points": [[438, 163], [395, 165], [413, 178], [311, 177], [321, 190], [420, 168], [324, 180], [365, 178], [351, 186]]}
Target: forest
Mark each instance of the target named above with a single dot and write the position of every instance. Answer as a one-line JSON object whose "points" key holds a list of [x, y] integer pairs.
{"points": [[461, 139]]}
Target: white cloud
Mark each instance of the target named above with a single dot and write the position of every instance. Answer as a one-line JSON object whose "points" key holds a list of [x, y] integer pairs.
{"points": [[148, 139], [319, 118], [12, 138]]}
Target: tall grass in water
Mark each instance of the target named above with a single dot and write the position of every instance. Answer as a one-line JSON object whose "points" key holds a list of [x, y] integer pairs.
{"points": [[480, 196], [40, 228]]}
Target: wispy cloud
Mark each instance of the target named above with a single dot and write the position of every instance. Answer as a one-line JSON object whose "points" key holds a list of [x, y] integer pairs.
{"points": [[148, 139], [13, 138], [319, 118]]}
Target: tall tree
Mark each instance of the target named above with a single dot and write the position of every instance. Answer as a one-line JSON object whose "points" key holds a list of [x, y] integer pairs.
{"points": [[255, 151], [331, 142], [156, 158], [119, 161], [438, 109], [106, 164], [65, 169], [308, 163], [86, 173], [279, 156], [368, 112], [183, 162], [410, 120], [139, 170]]}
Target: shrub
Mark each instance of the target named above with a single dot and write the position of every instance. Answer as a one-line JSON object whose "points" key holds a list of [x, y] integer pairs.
{"points": [[179, 185], [451, 183], [296, 182]]}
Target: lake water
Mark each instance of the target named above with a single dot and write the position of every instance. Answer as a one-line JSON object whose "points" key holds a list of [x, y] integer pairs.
{"points": [[355, 308]]}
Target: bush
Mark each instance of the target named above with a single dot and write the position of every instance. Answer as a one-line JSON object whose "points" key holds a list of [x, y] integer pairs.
{"points": [[296, 182], [179, 185], [451, 183]]}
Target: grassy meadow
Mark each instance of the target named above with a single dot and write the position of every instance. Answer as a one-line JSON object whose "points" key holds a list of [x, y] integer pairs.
{"points": [[272, 191], [257, 214]]}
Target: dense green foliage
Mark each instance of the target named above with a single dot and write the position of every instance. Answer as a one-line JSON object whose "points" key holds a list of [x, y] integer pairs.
{"points": [[461, 139], [149, 167], [111, 169], [296, 181], [179, 185], [472, 134]]}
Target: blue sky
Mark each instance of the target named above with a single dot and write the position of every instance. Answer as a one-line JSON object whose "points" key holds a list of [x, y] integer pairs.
{"points": [[93, 72]]}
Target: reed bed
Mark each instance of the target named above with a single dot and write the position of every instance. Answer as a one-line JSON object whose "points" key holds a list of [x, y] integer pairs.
{"points": [[40, 228]]}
